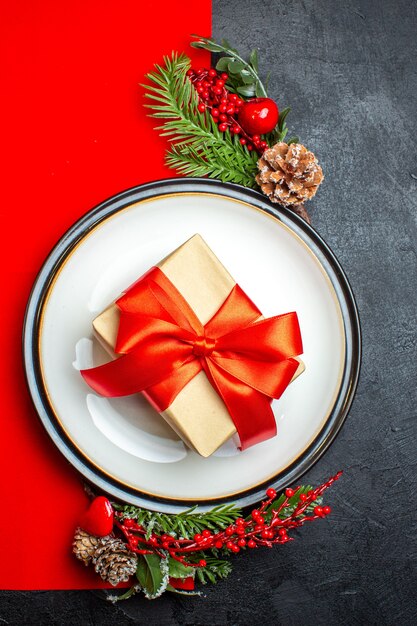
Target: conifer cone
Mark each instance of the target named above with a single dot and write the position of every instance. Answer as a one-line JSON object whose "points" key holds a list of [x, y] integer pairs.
{"points": [[84, 546], [289, 174], [114, 561]]}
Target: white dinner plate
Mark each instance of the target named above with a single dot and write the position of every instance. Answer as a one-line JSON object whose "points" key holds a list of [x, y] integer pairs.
{"points": [[122, 445]]}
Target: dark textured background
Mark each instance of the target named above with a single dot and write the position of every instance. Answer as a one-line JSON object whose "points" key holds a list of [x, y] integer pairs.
{"points": [[348, 69]]}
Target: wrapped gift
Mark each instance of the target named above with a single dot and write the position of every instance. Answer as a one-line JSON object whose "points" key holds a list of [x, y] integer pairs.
{"points": [[188, 338]]}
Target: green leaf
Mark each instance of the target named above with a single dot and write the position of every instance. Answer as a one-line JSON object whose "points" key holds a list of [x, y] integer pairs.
{"points": [[258, 91], [268, 76], [246, 77], [124, 596], [246, 90], [253, 59], [283, 114], [183, 592], [178, 570], [235, 66], [212, 47], [223, 64], [149, 573]]}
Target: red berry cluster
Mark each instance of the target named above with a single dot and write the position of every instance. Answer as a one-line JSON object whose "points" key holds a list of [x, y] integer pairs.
{"points": [[224, 106], [264, 527]]}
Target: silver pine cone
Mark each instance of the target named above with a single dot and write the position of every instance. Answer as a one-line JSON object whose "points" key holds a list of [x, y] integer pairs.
{"points": [[84, 546], [114, 561]]}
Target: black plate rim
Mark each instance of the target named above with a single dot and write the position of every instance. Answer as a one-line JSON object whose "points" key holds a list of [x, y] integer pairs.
{"points": [[171, 186]]}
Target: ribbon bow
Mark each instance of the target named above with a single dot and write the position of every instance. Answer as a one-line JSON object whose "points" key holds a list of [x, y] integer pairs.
{"points": [[163, 345]]}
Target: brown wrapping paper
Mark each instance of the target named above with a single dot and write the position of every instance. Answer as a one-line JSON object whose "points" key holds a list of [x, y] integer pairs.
{"points": [[198, 414]]}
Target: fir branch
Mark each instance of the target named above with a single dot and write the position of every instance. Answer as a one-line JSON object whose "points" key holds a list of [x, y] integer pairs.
{"points": [[184, 525], [217, 164], [214, 570], [198, 148]]}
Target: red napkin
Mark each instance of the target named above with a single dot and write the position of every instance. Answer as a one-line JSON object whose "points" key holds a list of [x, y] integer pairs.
{"points": [[74, 133]]}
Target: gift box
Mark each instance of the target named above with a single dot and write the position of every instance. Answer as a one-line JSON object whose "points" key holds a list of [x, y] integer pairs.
{"points": [[197, 288]]}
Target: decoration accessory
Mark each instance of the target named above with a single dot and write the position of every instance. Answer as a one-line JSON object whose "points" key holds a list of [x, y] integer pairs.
{"points": [[167, 552], [289, 175], [114, 561], [98, 520], [85, 545], [259, 116], [212, 130]]}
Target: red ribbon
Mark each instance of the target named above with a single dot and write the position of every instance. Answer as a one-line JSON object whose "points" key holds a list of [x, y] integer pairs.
{"points": [[164, 345]]}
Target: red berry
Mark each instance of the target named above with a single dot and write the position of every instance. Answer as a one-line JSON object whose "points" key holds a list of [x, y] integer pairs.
{"points": [[202, 563], [224, 76], [233, 97], [271, 493], [200, 89], [205, 95], [218, 545], [239, 102], [258, 528], [128, 522], [217, 90], [235, 548], [222, 108], [255, 513], [303, 497], [240, 521], [264, 145], [212, 73], [230, 110], [241, 542], [199, 71], [229, 545], [133, 542], [229, 531], [201, 107], [215, 112], [249, 147], [220, 83], [223, 117], [206, 534], [240, 530], [242, 141], [153, 540], [258, 116], [265, 534], [190, 72], [318, 510], [222, 127], [165, 544], [197, 538], [251, 543], [223, 101], [327, 510], [236, 130], [282, 532]]}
